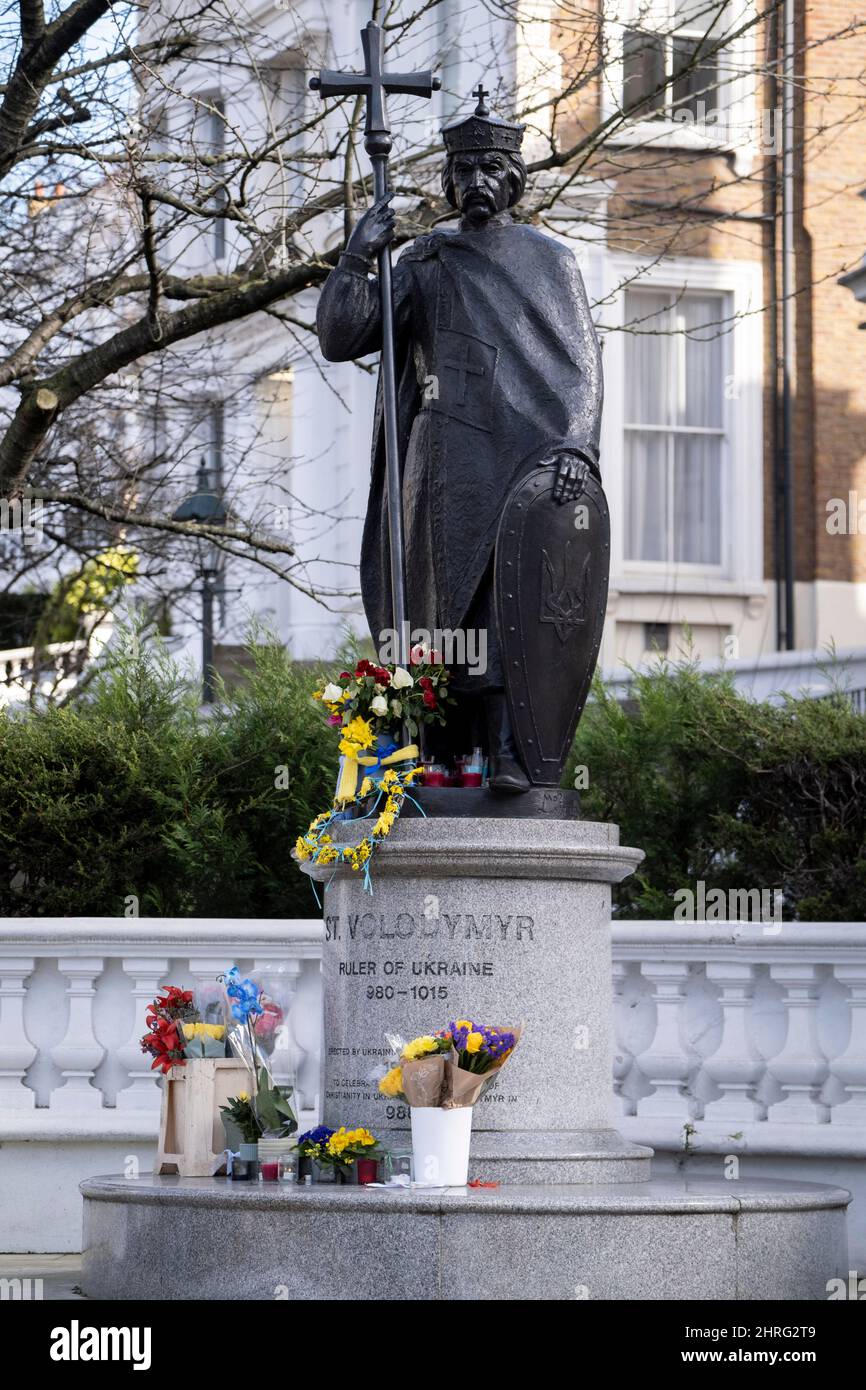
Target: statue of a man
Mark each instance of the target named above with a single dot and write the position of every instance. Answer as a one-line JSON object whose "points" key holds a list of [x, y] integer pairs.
{"points": [[499, 374]]}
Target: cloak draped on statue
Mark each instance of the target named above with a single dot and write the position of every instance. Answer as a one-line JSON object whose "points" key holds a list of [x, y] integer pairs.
{"points": [[497, 365]]}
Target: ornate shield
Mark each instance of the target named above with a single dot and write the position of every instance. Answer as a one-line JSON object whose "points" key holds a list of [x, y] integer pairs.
{"points": [[552, 566]]}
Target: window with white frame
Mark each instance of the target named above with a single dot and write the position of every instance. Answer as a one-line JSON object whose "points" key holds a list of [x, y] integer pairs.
{"points": [[674, 427], [671, 58], [682, 65], [286, 94]]}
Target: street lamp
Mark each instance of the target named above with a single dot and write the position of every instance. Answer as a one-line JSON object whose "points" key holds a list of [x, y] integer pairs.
{"points": [[205, 507]]}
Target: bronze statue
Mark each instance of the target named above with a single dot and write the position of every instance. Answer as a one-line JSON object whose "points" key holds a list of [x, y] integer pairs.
{"points": [[498, 403]]}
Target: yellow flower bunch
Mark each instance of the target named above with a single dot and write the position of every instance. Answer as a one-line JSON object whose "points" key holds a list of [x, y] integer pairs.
{"points": [[204, 1030], [319, 847], [357, 735], [419, 1047], [344, 1139], [392, 1082], [384, 823]]}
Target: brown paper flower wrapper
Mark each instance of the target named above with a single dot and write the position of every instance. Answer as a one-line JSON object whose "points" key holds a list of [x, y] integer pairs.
{"points": [[424, 1080], [438, 1081], [464, 1088]]}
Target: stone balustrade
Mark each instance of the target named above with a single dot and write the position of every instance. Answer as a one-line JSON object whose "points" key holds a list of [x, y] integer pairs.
{"points": [[73, 995], [58, 670], [742, 1034], [725, 1028], [732, 1039]]}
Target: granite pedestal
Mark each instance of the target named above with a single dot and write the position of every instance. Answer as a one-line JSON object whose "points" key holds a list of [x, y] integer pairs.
{"points": [[649, 1240], [502, 920], [506, 920]]}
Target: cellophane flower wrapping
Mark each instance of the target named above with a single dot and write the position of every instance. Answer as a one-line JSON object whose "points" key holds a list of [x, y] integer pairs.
{"points": [[257, 1008], [205, 1031], [450, 1068]]}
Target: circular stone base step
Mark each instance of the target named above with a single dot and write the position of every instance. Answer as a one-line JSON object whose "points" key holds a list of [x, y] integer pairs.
{"points": [[556, 1156], [646, 1240]]}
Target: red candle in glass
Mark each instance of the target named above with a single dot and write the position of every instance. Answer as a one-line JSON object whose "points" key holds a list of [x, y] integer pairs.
{"points": [[367, 1169], [434, 779], [471, 779], [270, 1171]]}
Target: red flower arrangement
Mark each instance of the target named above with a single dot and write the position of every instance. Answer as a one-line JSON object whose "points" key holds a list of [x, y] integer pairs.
{"points": [[163, 1041], [389, 698]]}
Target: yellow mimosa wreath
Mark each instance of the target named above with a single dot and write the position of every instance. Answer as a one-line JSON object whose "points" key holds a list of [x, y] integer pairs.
{"points": [[318, 846]]}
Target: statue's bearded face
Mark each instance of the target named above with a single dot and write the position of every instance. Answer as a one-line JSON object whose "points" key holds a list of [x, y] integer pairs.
{"points": [[482, 184]]}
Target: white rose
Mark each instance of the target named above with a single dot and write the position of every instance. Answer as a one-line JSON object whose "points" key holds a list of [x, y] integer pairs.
{"points": [[401, 680], [332, 693], [379, 705]]}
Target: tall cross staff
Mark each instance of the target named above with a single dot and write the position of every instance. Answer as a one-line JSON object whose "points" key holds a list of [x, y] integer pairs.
{"points": [[375, 84]]}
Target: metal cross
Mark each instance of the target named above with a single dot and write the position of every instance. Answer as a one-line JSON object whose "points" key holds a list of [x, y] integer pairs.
{"points": [[480, 92], [375, 84]]}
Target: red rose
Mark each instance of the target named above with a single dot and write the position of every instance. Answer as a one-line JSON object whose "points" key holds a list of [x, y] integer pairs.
{"points": [[425, 683], [344, 676], [429, 699]]}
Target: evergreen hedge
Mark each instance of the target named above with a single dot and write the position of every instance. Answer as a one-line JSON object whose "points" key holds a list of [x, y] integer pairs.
{"points": [[738, 794], [126, 801]]}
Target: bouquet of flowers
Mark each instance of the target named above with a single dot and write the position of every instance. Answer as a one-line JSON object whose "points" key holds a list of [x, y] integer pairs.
{"points": [[178, 1032], [371, 706], [386, 698], [247, 1007], [204, 1039], [450, 1068], [441, 1075], [165, 1017]]}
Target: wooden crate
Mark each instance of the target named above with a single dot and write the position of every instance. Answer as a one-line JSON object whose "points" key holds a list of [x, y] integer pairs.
{"points": [[191, 1136]]}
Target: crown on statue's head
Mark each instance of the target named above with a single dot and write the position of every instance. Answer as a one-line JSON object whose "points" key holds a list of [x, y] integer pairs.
{"points": [[481, 131]]}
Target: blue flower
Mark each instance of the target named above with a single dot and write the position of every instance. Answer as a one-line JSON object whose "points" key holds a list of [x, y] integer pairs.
{"points": [[245, 993], [312, 1143]]}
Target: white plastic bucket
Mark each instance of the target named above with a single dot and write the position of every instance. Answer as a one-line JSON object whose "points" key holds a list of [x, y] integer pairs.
{"points": [[440, 1145]]}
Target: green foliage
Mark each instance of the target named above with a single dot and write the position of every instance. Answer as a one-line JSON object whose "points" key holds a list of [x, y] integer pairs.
{"points": [[270, 1113], [91, 589], [128, 801], [739, 794], [238, 1114], [273, 1107]]}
